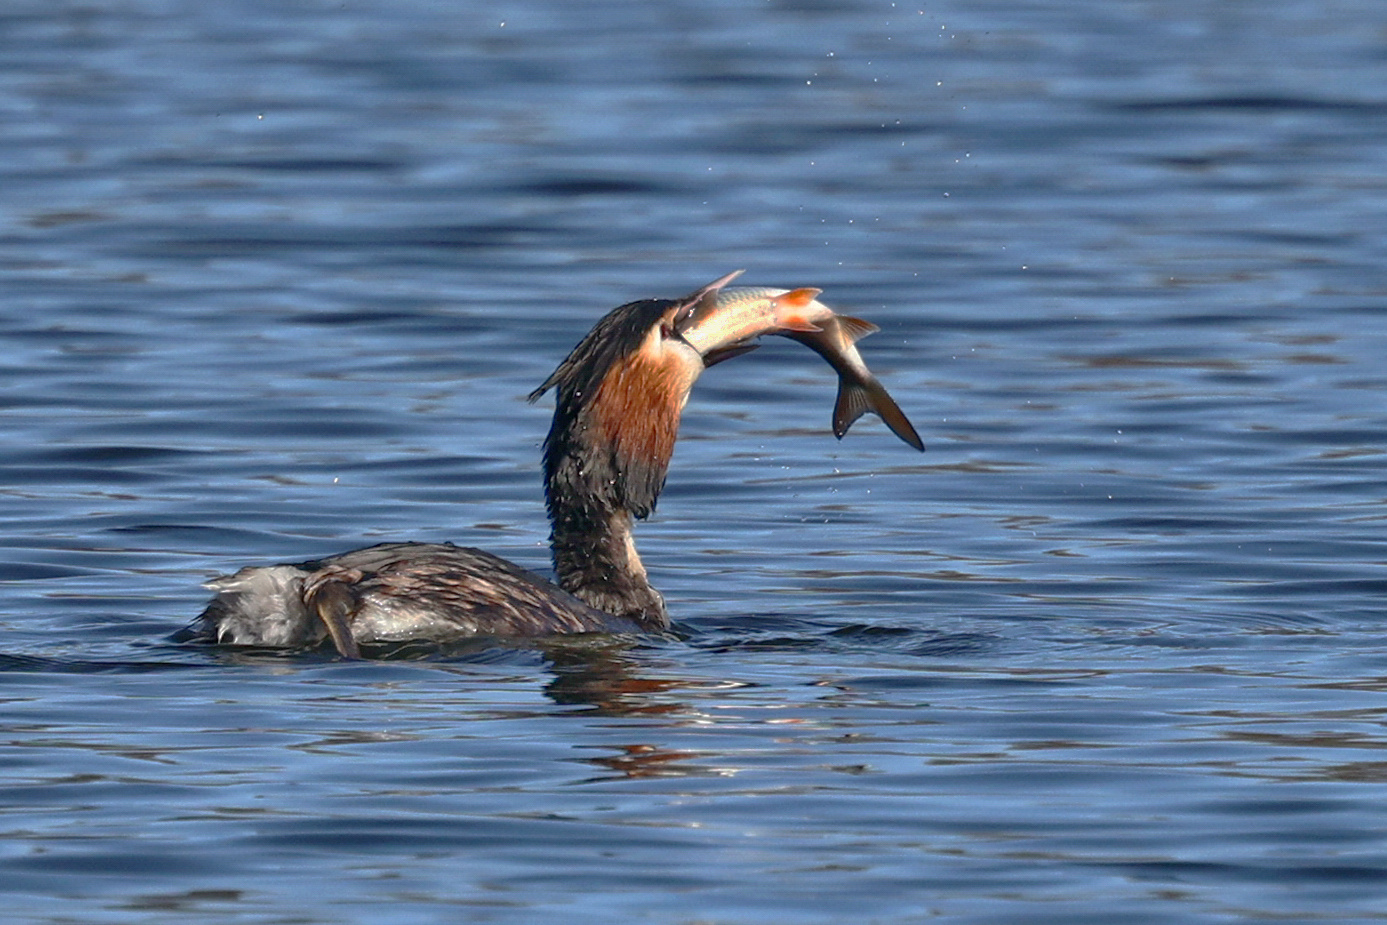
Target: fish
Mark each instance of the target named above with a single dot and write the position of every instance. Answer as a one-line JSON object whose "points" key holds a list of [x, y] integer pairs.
{"points": [[725, 322]]}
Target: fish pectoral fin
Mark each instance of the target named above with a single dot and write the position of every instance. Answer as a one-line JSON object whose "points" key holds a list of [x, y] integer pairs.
{"points": [[856, 328]]}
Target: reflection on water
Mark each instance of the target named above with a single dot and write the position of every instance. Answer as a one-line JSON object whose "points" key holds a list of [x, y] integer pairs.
{"points": [[280, 278]]}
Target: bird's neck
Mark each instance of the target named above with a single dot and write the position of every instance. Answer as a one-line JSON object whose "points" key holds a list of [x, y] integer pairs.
{"points": [[595, 488], [605, 461], [596, 561]]}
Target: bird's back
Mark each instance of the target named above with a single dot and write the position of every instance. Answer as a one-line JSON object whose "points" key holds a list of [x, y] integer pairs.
{"points": [[395, 592]]}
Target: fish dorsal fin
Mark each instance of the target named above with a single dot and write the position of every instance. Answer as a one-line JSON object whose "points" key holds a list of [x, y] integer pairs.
{"points": [[856, 328], [694, 300]]}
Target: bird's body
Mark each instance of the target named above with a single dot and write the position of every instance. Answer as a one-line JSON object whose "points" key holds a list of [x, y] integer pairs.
{"points": [[619, 395], [393, 592]]}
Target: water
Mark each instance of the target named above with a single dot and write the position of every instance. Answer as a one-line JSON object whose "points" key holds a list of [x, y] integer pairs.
{"points": [[278, 278]]}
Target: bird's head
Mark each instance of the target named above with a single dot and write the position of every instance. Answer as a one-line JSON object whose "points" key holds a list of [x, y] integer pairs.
{"points": [[619, 394]]}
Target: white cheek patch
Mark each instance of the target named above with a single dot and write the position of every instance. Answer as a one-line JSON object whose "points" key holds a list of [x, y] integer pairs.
{"points": [[674, 356], [652, 348]]}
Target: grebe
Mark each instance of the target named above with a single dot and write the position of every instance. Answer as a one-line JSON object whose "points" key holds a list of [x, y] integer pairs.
{"points": [[619, 395]]}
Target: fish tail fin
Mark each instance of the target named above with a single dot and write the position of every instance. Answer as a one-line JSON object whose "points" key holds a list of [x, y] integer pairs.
{"points": [[857, 398], [852, 403]]}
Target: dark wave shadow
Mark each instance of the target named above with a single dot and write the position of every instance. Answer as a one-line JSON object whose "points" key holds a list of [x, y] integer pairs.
{"points": [[783, 632]]}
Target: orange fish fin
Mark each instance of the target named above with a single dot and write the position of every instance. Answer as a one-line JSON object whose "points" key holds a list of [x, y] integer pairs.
{"points": [[856, 328], [797, 324], [797, 298]]}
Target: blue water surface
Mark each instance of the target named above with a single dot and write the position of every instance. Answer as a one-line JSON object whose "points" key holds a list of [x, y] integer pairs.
{"points": [[278, 278]]}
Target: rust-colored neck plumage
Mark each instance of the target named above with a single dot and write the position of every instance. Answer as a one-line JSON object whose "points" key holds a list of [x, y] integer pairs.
{"points": [[619, 397]]}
